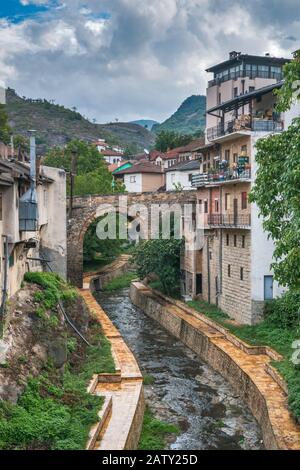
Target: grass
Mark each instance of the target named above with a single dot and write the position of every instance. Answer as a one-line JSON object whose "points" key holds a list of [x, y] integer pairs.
{"points": [[97, 263], [266, 333], [154, 432], [120, 282], [55, 411], [148, 379]]}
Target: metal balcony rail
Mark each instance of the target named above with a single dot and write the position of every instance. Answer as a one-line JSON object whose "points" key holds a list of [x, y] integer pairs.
{"points": [[246, 73], [255, 124], [229, 220], [202, 179]]}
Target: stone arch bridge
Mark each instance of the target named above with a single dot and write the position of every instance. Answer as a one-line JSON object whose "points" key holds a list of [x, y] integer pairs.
{"points": [[88, 208]]}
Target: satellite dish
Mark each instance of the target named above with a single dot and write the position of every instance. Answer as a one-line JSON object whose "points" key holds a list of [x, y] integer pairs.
{"points": [[146, 151]]}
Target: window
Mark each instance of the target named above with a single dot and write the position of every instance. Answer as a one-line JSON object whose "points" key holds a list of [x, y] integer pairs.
{"points": [[227, 196], [243, 241], [251, 88], [0, 206], [244, 200], [227, 239], [190, 177], [210, 255], [235, 240], [216, 205], [241, 274], [227, 155], [205, 206], [132, 179], [235, 92], [244, 150], [229, 270], [235, 158], [11, 260], [219, 98]]}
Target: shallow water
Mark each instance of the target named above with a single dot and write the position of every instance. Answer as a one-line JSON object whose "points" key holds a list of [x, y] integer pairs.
{"points": [[186, 391]]}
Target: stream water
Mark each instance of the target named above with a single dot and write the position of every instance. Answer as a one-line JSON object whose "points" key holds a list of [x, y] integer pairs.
{"points": [[185, 391]]}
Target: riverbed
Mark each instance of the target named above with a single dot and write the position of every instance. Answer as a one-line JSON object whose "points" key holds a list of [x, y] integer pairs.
{"points": [[185, 390]]}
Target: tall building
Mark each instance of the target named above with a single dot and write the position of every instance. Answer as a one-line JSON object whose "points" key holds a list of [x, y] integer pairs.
{"points": [[233, 268]]}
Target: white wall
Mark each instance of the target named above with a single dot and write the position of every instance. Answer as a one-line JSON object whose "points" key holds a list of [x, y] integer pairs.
{"points": [[291, 114], [177, 177], [262, 248], [133, 186]]}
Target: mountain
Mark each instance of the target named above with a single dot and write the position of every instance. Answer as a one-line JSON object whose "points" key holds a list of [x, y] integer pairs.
{"points": [[147, 123], [57, 125], [188, 119]]}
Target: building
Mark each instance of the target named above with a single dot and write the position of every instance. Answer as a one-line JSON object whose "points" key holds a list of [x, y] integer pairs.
{"points": [[177, 155], [32, 222], [179, 177], [233, 268], [143, 177], [111, 156], [111, 153]]}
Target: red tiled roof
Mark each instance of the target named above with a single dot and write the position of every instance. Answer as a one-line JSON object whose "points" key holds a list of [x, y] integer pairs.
{"points": [[142, 167], [115, 166], [111, 153]]}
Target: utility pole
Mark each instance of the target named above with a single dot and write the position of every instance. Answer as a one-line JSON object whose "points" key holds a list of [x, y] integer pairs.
{"points": [[72, 178]]}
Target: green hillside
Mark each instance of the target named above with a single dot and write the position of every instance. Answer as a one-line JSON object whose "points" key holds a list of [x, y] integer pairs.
{"points": [[57, 125], [148, 123], [188, 119]]}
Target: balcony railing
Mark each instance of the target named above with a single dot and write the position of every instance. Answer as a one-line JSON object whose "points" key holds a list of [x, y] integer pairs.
{"points": [[256, 125], [244, 73], [202, 179], [229, 220]]}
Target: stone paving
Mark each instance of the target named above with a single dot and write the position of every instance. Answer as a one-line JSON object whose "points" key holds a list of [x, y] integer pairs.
{"points": [[122, 390], [283, 425]]}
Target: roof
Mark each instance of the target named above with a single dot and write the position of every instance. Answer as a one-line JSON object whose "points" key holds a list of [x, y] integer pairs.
{"points": [[115, 166], [242, 100], [186, 166], [111, 153], [141, 167], [256, 59], [155, 153]]}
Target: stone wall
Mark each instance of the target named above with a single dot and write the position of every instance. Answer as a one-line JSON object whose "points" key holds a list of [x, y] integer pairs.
{"points": [[256, 387]]}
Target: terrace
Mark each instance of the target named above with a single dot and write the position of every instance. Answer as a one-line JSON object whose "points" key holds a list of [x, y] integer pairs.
{"points": [[229, 221], [245, 123]]}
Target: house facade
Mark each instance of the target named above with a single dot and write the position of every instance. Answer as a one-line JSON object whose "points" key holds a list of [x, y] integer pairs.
{"points": [[143, 177], [179, 177], [233, 267], [30, 230]]}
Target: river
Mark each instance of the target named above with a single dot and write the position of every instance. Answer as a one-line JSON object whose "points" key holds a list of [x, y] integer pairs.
{"points": [[185, 391]]}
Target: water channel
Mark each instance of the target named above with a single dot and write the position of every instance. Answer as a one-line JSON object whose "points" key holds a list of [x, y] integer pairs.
{"points": [[185, 390]]}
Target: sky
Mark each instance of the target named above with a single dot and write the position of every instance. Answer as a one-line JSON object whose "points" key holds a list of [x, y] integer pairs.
{"points": [[132, 59]]}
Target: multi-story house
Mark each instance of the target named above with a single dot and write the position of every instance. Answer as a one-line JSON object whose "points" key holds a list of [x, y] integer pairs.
{"points": [[233, 268], [32, 221]]}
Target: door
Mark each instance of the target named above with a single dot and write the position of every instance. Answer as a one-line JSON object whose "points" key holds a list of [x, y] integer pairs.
{"points": [[268, 287], [235, 211], [198, 284]]}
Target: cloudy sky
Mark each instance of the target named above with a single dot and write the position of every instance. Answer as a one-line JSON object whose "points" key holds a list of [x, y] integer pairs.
{"points": [[131, 59]]}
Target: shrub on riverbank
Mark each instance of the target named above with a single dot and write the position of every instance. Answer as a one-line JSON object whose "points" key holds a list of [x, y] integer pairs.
{"points": [[279, 330], [154, 432], [120, 282]]}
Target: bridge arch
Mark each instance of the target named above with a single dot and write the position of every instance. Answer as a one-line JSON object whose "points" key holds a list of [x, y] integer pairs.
{"points": [[89, 208]]}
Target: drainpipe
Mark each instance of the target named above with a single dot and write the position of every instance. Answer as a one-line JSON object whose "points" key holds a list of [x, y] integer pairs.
{"points": [[208, 269], [4, 291], [221, 244]]}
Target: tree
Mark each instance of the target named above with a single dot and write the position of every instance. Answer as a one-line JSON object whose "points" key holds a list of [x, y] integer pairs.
{"points": [[4, 127], [162, 258], [276, 190], [166, 140]]}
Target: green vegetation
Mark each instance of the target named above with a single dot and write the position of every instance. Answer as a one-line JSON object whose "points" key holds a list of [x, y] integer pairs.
{"points": [[55, 411], [167, 140], [154, 432], [4, 127], [161, 258], [120, 282], [276, 190], [188, 119], [148, 379], [279, 330]]}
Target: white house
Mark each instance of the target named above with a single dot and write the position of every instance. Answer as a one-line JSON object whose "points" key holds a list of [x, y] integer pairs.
{"points": [[111, 156], [143, 177], [180, 176]]}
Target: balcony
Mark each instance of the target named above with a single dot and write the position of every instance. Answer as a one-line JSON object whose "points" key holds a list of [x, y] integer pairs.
{"points": [[229, 221], [218, 177], [243, 73], [244, 124]]}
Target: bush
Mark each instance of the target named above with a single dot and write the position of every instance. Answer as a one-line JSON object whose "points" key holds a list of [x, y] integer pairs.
{"points": [[284, 312]]}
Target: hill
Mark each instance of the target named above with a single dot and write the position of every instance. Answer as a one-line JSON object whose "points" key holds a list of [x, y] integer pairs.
{"points": [[57, 125], [147, 123], [188, 119]]}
